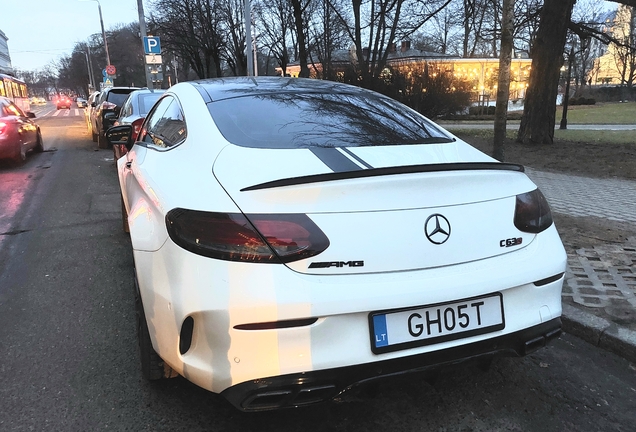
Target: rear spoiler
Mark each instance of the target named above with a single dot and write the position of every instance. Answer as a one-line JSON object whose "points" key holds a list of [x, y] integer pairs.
{"points": [[376, 172]]}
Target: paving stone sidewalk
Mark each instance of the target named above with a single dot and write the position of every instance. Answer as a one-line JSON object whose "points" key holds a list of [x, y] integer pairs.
{"points": [[599, 293]]}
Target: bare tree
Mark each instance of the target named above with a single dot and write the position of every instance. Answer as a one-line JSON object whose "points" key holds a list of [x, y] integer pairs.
{"points": [[273, 19], [375, 26], [443, 31], [625, 48], [537, 124], [503, 87], [233, 51], [326, 34], [588, 14], [191, 30], [299, 8]]}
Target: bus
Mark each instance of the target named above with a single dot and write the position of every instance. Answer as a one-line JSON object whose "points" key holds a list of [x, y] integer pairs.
{"points": [[16, 90]]}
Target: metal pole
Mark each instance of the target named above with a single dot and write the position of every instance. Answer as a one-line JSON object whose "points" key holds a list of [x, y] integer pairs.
{"points": [[142, 29], [90, 78], [90, 67], [255, 58], [101, 22], [248, 39]]}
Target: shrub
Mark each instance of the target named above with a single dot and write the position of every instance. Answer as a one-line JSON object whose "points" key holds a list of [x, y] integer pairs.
{"points": [[482, 110], [581, 101]]}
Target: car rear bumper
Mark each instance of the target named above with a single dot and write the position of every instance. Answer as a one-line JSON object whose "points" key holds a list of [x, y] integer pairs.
{"points": [[321, 323], [311, 387], [9, 146]]}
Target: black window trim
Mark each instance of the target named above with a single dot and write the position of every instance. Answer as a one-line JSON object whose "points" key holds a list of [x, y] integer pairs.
{"points": [[151, 146]]}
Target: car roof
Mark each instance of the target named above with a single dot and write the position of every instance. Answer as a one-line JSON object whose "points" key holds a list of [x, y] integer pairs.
{"points": [[147, 90], [225, 88]]}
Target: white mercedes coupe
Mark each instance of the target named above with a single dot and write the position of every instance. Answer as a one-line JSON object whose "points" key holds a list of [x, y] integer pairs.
{"points": [[293, 238]]}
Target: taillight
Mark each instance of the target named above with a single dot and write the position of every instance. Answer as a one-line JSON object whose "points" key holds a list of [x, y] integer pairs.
{"points": [[108, 105], [3, 126], [136, 125], [532, 212], [258, 238]]}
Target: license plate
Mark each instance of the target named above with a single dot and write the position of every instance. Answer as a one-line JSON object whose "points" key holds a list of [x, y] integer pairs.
{"points": [[426, 325]]}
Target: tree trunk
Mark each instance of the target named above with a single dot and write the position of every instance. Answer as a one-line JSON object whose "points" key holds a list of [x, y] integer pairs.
{"points": [[302, 42], [503, 85], [537, 123]]}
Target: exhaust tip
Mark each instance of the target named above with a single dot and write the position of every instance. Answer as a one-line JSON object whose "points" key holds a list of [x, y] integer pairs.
{"points": [[289, 398]]}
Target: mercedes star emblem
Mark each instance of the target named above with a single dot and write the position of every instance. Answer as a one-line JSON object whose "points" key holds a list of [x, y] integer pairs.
{"points": [[437, 229]]}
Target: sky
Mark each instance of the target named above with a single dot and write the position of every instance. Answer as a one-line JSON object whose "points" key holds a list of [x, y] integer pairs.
{"points": [[41, 31]]}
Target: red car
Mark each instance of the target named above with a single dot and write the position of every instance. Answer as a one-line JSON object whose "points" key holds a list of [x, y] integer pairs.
{"points": [[18, 132], [63, 102]]}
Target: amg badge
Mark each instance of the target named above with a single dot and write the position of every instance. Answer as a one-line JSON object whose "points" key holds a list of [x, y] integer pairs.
{"points": [[328, 264]]}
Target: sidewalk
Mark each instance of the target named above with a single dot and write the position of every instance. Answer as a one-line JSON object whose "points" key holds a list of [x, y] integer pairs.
{"points": [[599, 293], [514, 124]]}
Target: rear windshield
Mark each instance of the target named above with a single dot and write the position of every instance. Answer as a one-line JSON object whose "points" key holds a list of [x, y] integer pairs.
{"points": [[118, 97], [146, 101], [293, 120]]}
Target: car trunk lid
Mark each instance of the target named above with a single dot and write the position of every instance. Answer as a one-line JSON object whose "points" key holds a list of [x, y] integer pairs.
{"points": [[384, 208]]}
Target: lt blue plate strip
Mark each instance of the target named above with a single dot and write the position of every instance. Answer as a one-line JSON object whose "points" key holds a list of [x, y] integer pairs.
{"points": [[379, 328]]}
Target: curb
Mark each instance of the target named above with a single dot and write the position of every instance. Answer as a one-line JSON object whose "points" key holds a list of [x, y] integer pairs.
{"points": [[599, 332]]}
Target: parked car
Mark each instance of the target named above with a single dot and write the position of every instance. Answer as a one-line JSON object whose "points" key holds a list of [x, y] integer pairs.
{"points": [[81, 102], [88, 112], [293, 238], [106, 109], [63, 101], [133, 112], [18, 132]]}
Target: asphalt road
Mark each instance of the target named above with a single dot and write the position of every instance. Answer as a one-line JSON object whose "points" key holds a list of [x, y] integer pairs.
{"points": [[68, 353]]}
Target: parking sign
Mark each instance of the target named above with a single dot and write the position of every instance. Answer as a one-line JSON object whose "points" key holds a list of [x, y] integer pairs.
{"points": [[152, 45]]}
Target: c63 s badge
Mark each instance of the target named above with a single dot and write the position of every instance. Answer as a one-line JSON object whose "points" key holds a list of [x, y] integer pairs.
{"points": [[511, 242]]}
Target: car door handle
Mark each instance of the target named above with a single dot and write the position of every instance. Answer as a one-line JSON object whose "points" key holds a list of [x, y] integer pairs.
{"points": [[128, 164]]}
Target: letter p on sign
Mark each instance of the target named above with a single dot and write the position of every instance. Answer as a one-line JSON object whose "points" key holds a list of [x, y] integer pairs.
{"points": [[152, 45]]}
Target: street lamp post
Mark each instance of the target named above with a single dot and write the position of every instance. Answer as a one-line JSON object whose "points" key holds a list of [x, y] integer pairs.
{"points": [[91, 84], [142, 30], [101, 22], [248, 38]]}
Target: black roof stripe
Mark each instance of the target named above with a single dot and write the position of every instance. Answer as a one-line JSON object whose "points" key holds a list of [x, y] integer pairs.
{"points": [[335, 160], [356, 157]]}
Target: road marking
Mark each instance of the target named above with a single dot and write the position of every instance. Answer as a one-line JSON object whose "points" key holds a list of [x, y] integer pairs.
{"points": [[61, 113]]}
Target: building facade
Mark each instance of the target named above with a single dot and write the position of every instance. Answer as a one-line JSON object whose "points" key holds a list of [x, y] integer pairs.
{"points": [[481, 73], [618, 65], [5, 58]]}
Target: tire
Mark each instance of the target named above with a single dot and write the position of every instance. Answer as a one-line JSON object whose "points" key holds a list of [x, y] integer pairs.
{"points": [[124, 216], [20, 156], [152, 366], [101, 141], [39, 146]]}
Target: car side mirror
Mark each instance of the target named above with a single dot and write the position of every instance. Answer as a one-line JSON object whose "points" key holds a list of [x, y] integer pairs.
{"points": [[120, 135], [30, 114]]}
